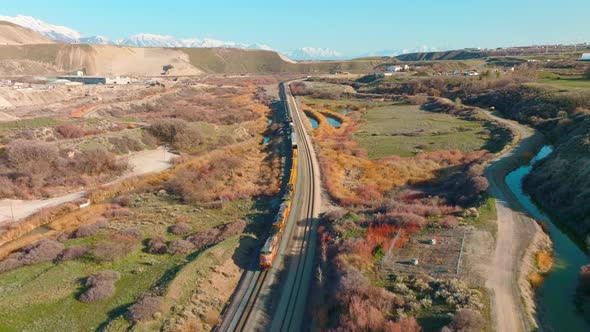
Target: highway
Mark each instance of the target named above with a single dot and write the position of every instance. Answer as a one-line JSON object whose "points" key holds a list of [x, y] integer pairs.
{"points": [[254, 307]]}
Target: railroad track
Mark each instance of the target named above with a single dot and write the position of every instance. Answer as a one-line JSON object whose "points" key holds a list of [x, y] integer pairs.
{"points": [[298, 242], [290, 311], [236, 319]]}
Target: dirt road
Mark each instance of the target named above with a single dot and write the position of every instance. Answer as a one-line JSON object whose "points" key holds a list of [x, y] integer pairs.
{"points": [[515, 232], [143, 162]]}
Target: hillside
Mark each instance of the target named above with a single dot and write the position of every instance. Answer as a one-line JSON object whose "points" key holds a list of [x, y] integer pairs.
{"points": [[12, 34], [93, 59], [448, 55], [122, 60]]}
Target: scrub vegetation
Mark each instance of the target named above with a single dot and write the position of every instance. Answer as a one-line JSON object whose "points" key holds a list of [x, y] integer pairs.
{"points": [[117, 264]]}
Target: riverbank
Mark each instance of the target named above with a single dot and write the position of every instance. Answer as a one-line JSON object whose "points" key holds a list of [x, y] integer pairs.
{"points": [[555, 294], [513, 307]]}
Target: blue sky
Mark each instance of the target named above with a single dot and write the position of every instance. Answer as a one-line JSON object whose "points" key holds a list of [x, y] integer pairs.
{"points": [[351, 27]]}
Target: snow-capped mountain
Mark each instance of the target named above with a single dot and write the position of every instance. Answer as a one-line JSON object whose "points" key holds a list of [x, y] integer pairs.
{"points": [[153, 40], [150, 40], [68, 35], [314, 53], [96, 40], [54, 32]]}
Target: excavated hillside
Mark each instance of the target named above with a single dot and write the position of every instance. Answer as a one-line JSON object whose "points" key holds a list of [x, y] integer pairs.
{"points": [[12, 34], [94, 60], [132, 61]]}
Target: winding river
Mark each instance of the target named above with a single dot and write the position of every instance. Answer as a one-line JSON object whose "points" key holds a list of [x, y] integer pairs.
{"points": [[556, 305]]}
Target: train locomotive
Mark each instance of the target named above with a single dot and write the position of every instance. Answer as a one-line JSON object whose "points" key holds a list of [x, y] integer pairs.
{"points": [[270, 248]]}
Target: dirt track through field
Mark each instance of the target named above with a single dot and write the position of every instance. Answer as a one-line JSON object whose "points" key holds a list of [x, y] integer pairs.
{"points": [[515, 232]]}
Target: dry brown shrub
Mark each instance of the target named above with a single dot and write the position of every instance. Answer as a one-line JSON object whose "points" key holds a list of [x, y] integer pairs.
{"points": [[41, 251], [467, 320], [157, 245], [115, 247], [117, 212], [86, 231], [181, 228], [73, 252], [131, 232], [181, 134], [100, 285], [204, 238], [31, 156], [99, 161], [231, 229], [124, 144], [70, 130], [35, 253], [180, 247], [144, 308]]}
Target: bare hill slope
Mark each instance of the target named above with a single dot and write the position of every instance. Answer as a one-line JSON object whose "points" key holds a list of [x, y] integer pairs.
{"points": [[12, 34], [93, 59], [123, 60]]}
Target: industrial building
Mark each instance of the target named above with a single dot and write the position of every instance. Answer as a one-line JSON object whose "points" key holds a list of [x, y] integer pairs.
{"points": [[96, 79], [85, 79], [585, 57]]}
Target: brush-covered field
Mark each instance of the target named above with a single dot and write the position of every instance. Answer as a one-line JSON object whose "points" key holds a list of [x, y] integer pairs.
{"points": [[405, 130]]}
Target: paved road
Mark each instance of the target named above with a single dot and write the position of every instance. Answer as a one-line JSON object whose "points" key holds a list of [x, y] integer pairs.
{"points": [[249, 309], [507, 309]]}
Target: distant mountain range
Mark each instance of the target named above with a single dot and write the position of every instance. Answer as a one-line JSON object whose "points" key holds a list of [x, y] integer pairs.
{"points": [[314, 53], [68, 35]]}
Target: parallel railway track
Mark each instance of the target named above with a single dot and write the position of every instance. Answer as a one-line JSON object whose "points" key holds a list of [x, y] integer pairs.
{"points": [[290, 311], [298, 242]]}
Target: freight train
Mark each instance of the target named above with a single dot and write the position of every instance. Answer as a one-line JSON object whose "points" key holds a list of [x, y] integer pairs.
{"points": [[270, 248]]}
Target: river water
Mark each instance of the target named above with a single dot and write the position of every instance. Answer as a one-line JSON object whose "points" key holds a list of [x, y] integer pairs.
{"points": [[333, 121], [314, 123], [556, 305]]}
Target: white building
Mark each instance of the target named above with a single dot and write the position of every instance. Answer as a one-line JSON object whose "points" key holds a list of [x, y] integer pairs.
{"points": [[397, 68], [585, 57], [118, 80]]}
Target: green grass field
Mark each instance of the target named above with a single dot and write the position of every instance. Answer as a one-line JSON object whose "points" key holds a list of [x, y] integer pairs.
{"points": [[405, 130], [565, 83], [44, 297]]}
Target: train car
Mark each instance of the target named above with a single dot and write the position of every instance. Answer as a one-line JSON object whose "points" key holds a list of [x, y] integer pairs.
{"points": [[282, 215], [270, 248], [294, 139], [293, 175]]}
